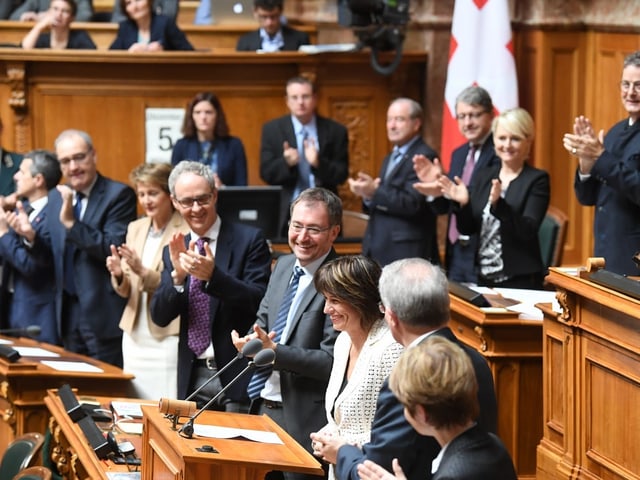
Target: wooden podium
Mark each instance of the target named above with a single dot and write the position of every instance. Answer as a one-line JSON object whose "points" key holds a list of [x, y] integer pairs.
{"points": [[167, 455], [513, 350], [591, 379], [24, 384]]}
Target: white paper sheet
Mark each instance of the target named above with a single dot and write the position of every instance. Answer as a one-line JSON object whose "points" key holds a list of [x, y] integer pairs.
{"points": [[212, 431], [72, 366], [34, 352]]}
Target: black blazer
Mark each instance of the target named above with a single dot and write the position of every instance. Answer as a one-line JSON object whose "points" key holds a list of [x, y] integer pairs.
{"points": [[476, 455], [393, 437], [238, 283], [401, 224], [163, 30], [305, 360], [333, 164], [250, 42], [520, 213]]}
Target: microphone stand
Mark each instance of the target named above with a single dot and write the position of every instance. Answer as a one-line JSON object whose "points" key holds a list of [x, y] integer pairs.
{"points": [[266, 357]]}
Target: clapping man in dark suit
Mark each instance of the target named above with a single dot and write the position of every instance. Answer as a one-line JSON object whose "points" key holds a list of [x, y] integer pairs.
{"points": [[272, 36], [401, 224], [474, 112], [303, 149], [87, 215], [28, 280], [446, 410], [213, 279], [415, 301], [291, 321]]}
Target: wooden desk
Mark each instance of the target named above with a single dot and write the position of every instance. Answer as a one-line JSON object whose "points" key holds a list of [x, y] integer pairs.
{"points": [[70, 451], [591, 383], [107, 93], [23, 386], [168, 455], [513, 349]]}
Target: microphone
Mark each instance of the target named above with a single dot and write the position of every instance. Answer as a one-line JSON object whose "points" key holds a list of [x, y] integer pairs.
{"points": [[262, 359], [186, 408], [30, 331]]}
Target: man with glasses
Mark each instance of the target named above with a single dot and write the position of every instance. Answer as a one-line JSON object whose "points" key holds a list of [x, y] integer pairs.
{"points": [[91, 213], [474, 112], [401, 224], [213, 279], [607, 175], [272, 36], [303, 149], [291, 321]]}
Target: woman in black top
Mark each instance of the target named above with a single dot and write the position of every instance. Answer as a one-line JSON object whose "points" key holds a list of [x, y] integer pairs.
{"points": [[60, 36]]}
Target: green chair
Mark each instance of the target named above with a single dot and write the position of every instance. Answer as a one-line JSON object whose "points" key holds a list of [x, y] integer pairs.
{"points": [[34, 473], [552, 235], [20, 454]]}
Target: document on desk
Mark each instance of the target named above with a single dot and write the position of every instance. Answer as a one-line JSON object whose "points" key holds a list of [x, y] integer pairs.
{"points": [[34, 352], [521, 301], [212, 431], [72, 366]]}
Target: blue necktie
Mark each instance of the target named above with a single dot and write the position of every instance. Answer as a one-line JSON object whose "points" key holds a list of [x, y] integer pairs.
{"points": [[261, 375], [70, 252], [395, 160], [304, 169]]}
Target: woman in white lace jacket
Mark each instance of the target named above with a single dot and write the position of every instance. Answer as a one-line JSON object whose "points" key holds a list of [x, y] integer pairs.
{"points": [[364, 353]]}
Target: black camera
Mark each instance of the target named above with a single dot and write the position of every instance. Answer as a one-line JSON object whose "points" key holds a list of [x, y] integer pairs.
{"points": [[378, 24]]}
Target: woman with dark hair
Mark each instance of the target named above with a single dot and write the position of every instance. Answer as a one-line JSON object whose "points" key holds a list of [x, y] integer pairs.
{"points": [[365, 351], [57, 20], [207, 140], [145, 31]]}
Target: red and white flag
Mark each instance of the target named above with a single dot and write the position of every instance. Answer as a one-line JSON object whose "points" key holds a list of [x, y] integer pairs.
{"points": [[480, 53]]}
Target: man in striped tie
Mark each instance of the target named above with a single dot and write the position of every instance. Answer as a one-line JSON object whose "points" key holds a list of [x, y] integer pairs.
{"points": [[291, 321]]}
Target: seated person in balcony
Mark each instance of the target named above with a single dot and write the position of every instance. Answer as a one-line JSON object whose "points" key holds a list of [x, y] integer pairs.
{"points": [[145, 31], [60, 36], [168, 8], [34, 10], [207, 140], [272, 36]]}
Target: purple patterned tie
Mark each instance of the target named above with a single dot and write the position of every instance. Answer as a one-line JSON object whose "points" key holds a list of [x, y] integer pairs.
{"points": [[467, 171], [199, 335]]}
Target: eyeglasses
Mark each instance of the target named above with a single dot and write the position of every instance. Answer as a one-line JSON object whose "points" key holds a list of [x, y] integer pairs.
{"points": [[626, 86], [313, 231], [470, 116], [202, 200], [78, 158]]}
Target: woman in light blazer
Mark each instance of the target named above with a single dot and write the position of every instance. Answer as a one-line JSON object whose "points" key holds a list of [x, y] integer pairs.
{"points": [[149, 352]]}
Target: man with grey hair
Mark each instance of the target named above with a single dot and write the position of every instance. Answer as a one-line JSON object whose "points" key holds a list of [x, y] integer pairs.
{"points": [[474, 113], [88, 215], [27, 296], [401, 224], [213, 279], [415, 301]]}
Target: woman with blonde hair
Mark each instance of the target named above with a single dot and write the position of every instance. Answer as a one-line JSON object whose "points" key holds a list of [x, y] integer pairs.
{"points": [[149, 352]]}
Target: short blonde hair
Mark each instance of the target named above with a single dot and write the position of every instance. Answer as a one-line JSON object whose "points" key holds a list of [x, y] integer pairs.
{"points": [[517, 121], [153, 174], [438, 375]]}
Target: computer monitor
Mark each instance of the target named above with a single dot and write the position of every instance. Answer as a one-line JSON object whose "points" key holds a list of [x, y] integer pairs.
{"points": [[258, 206]]}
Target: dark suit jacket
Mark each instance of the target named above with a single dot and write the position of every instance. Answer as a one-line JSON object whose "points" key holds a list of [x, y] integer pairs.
{"points": [[250, 42], [333, 165], [232, 161], [110, 208], [401, 224], [614, 189], [475, 455], [393, 437], [163, 30], [9, 165], [520, 213], [305, 360], [78, 40], [238, 283], [34, 292], [487, 158]]}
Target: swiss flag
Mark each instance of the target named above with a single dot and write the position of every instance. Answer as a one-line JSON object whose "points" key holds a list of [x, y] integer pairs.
{"points": [[481, 53]]}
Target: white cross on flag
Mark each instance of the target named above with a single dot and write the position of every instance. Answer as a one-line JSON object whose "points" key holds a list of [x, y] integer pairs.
{"points": [[480, 53]]}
